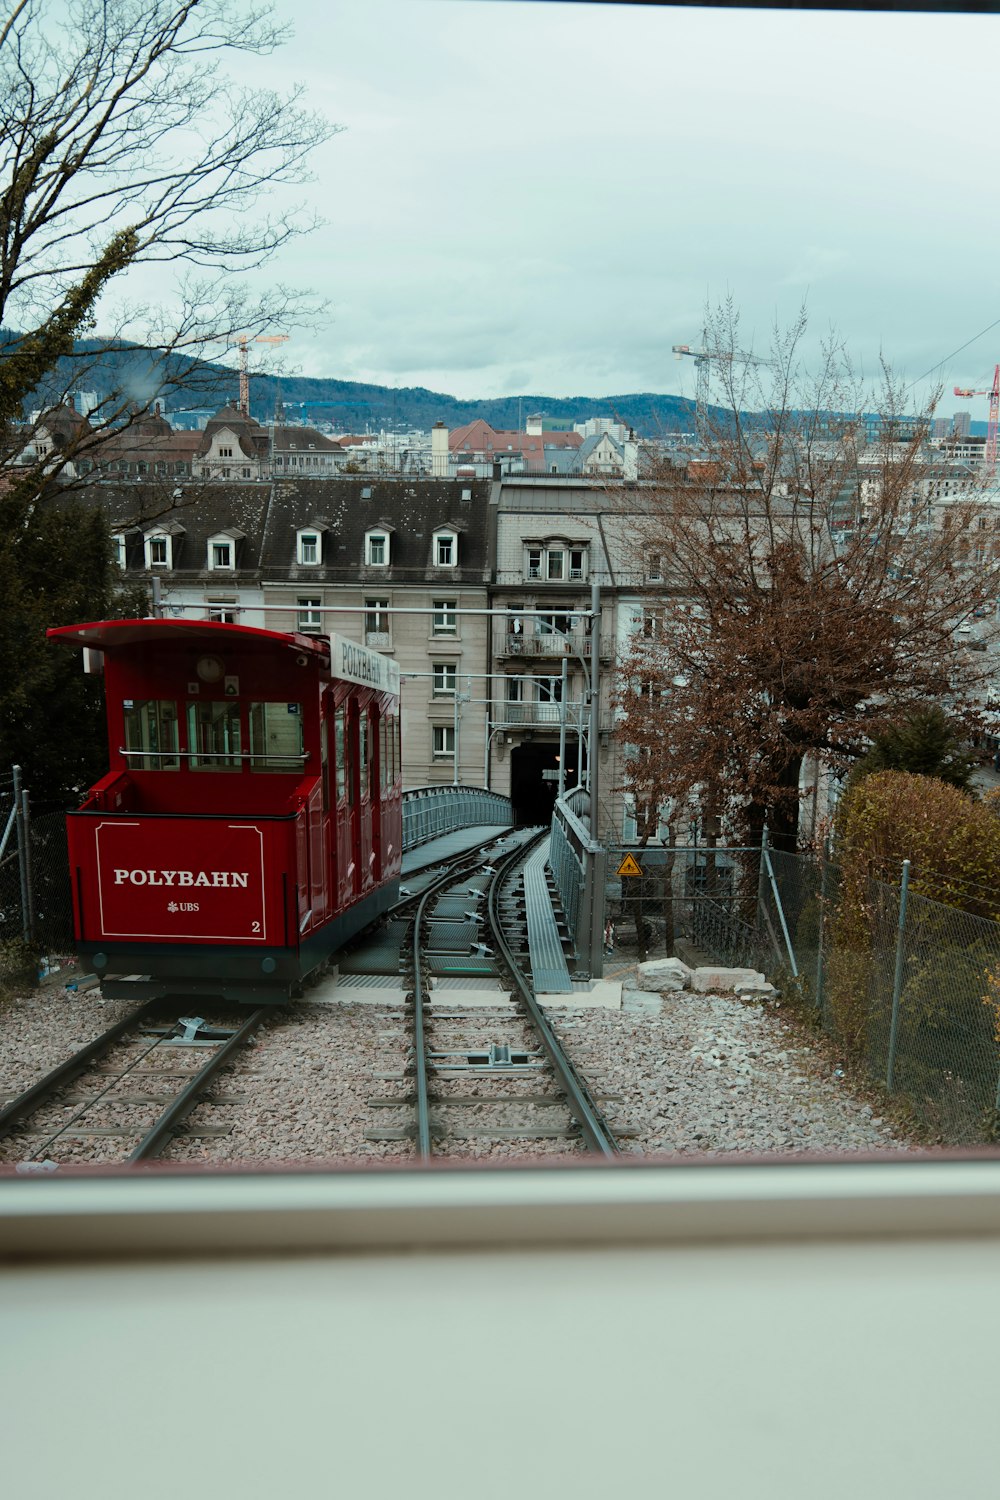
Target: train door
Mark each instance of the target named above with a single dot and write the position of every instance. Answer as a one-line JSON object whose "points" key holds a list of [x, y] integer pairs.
{"points": [[379, 767], [344, 806], [367, 792]]}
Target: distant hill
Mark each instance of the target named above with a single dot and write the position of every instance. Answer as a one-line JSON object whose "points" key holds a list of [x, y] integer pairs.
{"points": [[349, 405]]}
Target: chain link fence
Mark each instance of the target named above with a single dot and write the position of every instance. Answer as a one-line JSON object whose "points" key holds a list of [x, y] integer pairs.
{"points": [[902, 981], [686, 899]]}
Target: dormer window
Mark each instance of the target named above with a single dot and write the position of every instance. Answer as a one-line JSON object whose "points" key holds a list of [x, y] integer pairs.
{"points": [[220, 554], [377, 549], [159, 550], [118, 543], [309, 548], [445, 549]]}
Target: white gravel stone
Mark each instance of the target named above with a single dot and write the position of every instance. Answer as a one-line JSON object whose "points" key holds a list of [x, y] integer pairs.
{"points": [[663, 974], [686, 1074], [717, 981]]}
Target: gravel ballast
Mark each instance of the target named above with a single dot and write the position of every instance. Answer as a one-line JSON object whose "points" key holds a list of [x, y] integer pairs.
{"points": [[689, 1074]]}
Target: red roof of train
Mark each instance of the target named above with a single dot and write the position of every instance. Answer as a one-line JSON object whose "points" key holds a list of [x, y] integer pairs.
{"points": [[106, 635]]}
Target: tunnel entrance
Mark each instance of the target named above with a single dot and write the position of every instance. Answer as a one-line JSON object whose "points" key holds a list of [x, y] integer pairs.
{"points": [[532, 793]]}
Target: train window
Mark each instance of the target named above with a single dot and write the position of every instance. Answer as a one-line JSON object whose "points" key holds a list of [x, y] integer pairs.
{"points": [[151, 734], [383, 757], [214, 736], [340, 735], [276, 742], [363, 751], [324, 761]]}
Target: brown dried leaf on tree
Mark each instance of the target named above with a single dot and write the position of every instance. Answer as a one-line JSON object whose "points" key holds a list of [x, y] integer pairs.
{"points": [[812, 587]]}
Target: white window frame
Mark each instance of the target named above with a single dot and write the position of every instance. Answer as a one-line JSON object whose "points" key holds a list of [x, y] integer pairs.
{"points": [[534, 569], [579, 570], [551, 554], [121, 554], [443, 741], [167, 541], [445, 679], [378, 623], [308, 535], [224, 611], [444, 620], [446, 540], [215, 542], [309, 619], [372, 538]]}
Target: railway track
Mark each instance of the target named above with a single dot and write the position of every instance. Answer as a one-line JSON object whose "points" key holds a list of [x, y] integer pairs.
{"points": [[493, 1071], [107, 1091]]}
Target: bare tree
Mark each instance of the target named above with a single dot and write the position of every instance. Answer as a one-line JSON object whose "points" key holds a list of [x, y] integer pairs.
{"points": [[812, 588], [123, 141]]}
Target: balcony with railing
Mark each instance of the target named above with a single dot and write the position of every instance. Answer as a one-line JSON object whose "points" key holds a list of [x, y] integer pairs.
{"points": [[539, 715], [536, 642]]}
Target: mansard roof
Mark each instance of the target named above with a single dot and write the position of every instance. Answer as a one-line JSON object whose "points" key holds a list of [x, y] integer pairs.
{"points": [[414, 509]]}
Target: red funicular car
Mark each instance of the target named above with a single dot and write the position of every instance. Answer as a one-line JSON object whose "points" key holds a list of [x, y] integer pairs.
{"points": [[250, 820]]}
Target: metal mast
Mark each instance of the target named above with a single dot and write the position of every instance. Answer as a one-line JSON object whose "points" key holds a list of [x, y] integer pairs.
{"points": [[990, 454]]}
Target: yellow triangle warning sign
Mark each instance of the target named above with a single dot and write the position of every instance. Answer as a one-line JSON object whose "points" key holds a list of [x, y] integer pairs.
{"points": [[629, 866]]}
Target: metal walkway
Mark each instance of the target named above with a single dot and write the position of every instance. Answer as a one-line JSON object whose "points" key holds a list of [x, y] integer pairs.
{"points": [[549, 971], [449, 845]]}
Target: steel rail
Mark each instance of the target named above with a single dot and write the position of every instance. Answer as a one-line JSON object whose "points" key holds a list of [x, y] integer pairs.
{"points": [[163, 1131], [470, 859], [26, 1104], [596, 1130]]}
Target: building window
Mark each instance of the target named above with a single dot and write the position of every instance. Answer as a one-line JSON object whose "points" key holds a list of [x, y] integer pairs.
{"points": [[118, 542], [444, 742], [225, 452], [222, 610], [158, 551], [377, 622], [445, 549], [534, 562], [310, 620], [654, 568], [556, 564], [577, 562], [554, 623], [220, 554], [445, 617], [309, 549], [467, 494], [377, 549], [445, 677]]}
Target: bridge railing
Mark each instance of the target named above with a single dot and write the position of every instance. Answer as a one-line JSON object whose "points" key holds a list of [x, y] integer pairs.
{"points": [[429, 812]]}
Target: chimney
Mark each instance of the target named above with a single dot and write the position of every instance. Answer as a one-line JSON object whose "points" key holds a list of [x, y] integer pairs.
{"points": [[439, 451]]}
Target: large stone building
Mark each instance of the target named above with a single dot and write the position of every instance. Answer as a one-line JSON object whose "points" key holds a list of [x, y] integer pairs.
{"points": [[336, 555]]}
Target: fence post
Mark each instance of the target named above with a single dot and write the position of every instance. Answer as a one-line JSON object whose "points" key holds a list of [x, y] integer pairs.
{"points": [[822, 923], [23, 854], [897, 985]]}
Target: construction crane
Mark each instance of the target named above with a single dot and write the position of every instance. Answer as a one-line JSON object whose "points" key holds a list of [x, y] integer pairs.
{"points": [[702, 363], [243, 343], [990, 454]]}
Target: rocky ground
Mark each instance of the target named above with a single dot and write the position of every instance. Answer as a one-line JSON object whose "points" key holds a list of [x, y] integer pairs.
{"points": [[682, 1073]]}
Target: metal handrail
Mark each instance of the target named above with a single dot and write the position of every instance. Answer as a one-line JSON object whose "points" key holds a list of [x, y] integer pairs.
{"points": [[215, 755]]}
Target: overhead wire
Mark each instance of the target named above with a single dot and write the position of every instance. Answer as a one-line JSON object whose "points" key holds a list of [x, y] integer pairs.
{"points": [[959, 350]]}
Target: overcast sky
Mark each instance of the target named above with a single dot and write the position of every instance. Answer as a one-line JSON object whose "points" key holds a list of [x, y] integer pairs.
{"points": [[540, 197]]}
